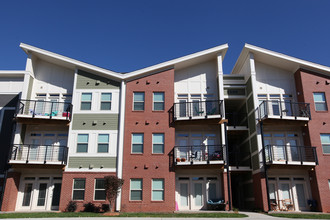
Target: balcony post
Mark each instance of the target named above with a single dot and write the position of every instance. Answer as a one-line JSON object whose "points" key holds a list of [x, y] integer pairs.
{"points": [[34, 109], [51, 111], [264, 163], [27, 156], [301, 155], [45, 154], [315, 156], [227, 164], [286, 154]]}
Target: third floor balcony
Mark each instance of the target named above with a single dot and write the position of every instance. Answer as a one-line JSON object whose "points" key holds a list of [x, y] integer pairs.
{"points": [[275, 109], [197, 110], [40, 109]]}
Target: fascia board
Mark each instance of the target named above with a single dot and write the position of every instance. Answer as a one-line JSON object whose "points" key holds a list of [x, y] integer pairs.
{"points": [[221, 49], [27, 48], [288, 58]]}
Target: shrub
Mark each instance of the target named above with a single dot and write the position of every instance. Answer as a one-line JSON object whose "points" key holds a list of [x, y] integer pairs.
{"points": [[89, 207], [71, 206], [105, 207]]}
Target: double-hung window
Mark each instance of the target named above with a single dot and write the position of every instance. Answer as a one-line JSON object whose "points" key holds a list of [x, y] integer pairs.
{"points": [[103, 143], [137, 143], [157, 143], [82, 143], [86, 101], [325, 141], [136, 189], [99, 193], [106, 101], [320, 101], [138, 102], [78, 189], [157, 190], [158, 101]]}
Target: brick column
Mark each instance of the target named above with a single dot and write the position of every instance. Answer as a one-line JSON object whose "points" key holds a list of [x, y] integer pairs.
{"points": [[11, 190], [225, 189], [260, 192]]}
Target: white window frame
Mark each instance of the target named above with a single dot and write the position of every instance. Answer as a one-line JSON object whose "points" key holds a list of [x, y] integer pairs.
{"points": [[105, 198], [108, 101], [138, 143], [154, 102], [82, 142], [103, 143], [320, 102], [130, 189], [90, 101], [134, 101], [73, 189], [157, 190], [158, 143], [325, 144]]}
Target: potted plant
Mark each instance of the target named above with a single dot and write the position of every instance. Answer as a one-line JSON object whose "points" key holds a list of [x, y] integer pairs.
{"points": [[178, 159], [183, 159]]}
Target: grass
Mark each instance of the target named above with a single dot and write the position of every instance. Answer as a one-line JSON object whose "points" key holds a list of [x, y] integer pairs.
{"points": [[142, 214], [304, 216]]}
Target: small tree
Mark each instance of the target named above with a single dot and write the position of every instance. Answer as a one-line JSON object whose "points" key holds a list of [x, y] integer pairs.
{"points": [[112, 185]]}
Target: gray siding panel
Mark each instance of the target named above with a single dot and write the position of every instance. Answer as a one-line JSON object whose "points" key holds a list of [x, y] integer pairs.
{"points": [[96, 162], [29, 92], [7, 100], [95, 122], [87, 80]]}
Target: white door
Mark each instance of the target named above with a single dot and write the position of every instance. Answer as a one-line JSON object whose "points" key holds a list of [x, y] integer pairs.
{"points": [[40, 196], [28, 190], [279, 150], [56, 189], [184, 195], [60, 148], [49, 140], [285, 191], [301, 196], [197, 201], [197, 149], [183, 108], [184, 150], [269, 149], [293, 150]]}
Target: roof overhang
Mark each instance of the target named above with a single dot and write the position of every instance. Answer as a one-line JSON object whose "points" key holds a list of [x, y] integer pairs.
{"points": [[276, 59], [13, 73]]}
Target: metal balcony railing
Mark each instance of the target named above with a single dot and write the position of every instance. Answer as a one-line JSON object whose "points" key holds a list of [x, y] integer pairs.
{"points": [[197, 109], [49, 109], [287, 153], [240, 159], [237, 119], [199, 153], [30, 153], [283, 108]]}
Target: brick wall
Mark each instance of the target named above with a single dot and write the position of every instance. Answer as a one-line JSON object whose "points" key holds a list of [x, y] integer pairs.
{"points": [[148, 165], [67, 188], [308, 82], [260, 191], [11, 190]]}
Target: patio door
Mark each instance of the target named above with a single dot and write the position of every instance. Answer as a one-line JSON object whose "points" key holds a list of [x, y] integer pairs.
{"points": [[285, 191], [183, 147], [293, 152], [49, 140], [197, 195], [56, 196], [279, 149], [40, 196], [197, 150], [197, 109], [184, 195], [301, 195]]}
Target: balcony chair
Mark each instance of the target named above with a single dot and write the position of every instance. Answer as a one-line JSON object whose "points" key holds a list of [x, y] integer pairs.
{"points": [[287, 205]]}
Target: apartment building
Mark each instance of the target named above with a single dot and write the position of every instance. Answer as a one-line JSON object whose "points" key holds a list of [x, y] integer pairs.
{"points": [[180, 133]]}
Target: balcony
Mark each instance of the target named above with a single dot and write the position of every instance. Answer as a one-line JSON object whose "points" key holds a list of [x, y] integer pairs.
{"points": [[197, 110], [36, 154], [274, 109], [39, 109], [199, 155], [240, 160], [293, 155]]}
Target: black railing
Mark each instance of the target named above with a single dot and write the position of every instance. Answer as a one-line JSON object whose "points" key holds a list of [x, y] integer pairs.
{"points": [[287, 153], [50, 109], [197, 109], [283, 108], [30, 153], [199, 153], [240, 159], [236, 119]]}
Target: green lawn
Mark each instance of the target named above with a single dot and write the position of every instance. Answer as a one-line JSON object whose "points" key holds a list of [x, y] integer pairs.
{"points": [[305, 216], [90, 214]]}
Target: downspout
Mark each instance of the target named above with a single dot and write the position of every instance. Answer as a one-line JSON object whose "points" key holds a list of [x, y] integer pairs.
{"points": [[121, 140], [264, 163], [227, 165]]}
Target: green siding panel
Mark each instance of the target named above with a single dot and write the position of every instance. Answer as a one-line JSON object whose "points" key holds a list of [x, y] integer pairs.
{"points": [[255, 162], [250, 104], [249, 86], [102, 122], [252, 123], [96, 162], [87, 80], [254, 143], [29, 92], [228, 91]]}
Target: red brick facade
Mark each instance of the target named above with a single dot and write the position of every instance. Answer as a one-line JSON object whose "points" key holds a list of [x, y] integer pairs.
{"points": [[67, 188], [260, 191], [307, 83], [11, 190], [147, 166]]}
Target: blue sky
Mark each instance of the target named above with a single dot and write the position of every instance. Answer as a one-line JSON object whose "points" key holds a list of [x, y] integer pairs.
{"points": [[127, 35]]}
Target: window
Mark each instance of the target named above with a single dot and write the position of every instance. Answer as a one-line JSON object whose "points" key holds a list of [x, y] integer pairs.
{"points": [[320, 102], [137, 143], [106, 101], [158, 143], [82, 143], [86, 101], [78, 189], [103, 143], [157, 190], [325, 141], [329, 183], [138, 104], [136, 189], [158, 101], [99, 193]]}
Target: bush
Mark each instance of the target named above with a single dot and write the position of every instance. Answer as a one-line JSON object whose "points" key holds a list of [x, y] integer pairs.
{"points": [[71, 206], [89, 207], [105, 207]]}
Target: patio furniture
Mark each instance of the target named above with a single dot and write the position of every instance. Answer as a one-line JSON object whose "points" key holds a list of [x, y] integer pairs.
{"points": [[287, 205], [216, 204]]}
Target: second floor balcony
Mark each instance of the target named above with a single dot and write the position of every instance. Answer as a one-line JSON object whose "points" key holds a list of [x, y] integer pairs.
{"points": [[36, 154], [40, 109], [275, 109], [293, 155], [196, 110], [199, 155]]}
